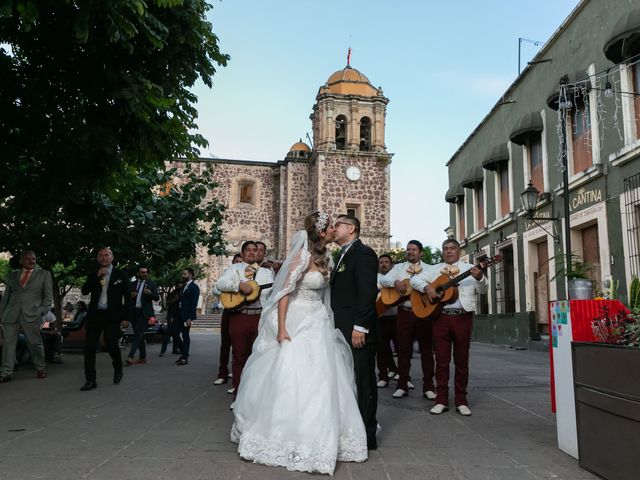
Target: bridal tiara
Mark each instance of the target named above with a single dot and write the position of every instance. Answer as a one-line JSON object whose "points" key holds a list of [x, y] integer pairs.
{"points": [[322, 221]]}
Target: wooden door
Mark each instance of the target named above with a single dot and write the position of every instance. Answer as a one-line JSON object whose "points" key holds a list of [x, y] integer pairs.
{"points": [[591, 253]]}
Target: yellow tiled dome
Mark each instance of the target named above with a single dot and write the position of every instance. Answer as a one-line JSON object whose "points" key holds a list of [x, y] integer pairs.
{"points": [[349, 81], [300, 147]]}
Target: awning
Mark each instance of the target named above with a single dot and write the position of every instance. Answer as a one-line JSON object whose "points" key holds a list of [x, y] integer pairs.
{"points": [[625, 38], [474, 176], [454, 193], [499, 155], [529, 124]]}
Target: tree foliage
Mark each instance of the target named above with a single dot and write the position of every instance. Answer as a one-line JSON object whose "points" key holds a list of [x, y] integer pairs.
{"points": [[154, 220], [4, 269], [92, 87], [430, 255], [94, 98], [167, 277]]}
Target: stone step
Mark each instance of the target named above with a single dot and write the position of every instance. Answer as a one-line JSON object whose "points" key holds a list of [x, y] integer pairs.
{"points": [[208, 320]]}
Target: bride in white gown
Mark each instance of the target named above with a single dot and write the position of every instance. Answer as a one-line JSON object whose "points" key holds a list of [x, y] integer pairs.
{"points": [[296, 405]]}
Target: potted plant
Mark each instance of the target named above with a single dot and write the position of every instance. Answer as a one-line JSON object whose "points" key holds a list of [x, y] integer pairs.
{"points": [[578, 276]]}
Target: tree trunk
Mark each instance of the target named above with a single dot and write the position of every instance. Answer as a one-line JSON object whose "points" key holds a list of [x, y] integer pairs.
{"points": [[58, 297]]}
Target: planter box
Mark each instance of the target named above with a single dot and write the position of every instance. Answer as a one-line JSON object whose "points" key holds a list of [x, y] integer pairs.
{"points": [[607, 395]]}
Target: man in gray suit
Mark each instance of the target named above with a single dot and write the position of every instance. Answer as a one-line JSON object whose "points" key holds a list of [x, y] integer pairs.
{"points": [[28, 296]]}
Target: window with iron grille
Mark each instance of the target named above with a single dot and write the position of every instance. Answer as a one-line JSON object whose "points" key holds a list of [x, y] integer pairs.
{"points": [[482, 299], [505, 286], [632, 212]]}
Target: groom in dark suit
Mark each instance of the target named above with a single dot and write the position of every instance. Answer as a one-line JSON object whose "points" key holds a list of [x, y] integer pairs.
{"points": [[353, 298]]}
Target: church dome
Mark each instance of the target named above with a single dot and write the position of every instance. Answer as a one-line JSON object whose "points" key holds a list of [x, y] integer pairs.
{"points": [[300, 147], [349, 81], [299, 150]]}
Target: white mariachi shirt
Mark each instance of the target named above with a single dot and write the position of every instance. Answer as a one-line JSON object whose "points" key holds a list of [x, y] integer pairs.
{"points": [[234, 275], [467, 289], [399, 272], [391, 311]]}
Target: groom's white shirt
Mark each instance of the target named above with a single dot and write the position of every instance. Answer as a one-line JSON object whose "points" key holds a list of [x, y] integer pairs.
{"points": [[234, 275]]}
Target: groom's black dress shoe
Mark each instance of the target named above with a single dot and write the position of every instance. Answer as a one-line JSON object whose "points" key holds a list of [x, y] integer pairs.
{"points": [[89, 385], [372, 445], [117, 376]]}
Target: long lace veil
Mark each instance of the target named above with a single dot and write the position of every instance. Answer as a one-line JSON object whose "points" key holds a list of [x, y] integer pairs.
{"points": [[287, 281], [291, 271]]}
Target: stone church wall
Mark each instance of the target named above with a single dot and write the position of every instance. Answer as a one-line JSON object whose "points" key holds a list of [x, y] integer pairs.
{"points": [[370, 193]]}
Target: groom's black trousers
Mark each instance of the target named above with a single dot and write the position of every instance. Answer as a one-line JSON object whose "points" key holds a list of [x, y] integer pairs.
{"points": [[364, 363]]}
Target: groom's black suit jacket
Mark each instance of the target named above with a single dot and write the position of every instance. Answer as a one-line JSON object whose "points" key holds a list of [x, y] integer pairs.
{"points": [[354, 290]]}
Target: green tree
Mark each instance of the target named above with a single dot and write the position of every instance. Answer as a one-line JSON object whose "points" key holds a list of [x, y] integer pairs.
{"points": [[430, 255], [155, 220], [4, 269], [94, 98], [167, 277], [91, 88]]}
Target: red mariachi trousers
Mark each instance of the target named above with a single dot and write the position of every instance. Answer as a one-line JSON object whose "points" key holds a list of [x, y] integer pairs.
{"points": [[453, 330], [408, 328], [243, 330]]}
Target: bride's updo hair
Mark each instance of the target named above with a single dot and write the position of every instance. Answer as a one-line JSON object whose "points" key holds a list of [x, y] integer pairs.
{"points": [[316, 246]]}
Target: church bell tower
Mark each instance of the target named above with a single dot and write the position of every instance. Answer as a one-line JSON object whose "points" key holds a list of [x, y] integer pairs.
{"points": [[351, 165]]}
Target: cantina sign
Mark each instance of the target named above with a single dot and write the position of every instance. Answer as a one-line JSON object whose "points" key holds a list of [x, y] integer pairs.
{"points": [[584, 198]]}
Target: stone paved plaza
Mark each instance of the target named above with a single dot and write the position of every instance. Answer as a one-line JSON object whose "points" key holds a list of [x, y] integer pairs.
{"points": [[166, 422]]}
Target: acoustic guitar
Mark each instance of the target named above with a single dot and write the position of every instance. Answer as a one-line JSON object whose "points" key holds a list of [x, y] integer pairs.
{"points": [[446, 288], [235, 300], [390, 296]]}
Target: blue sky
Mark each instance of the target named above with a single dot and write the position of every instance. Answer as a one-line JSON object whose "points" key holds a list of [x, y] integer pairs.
{"points": [[442, 65]]}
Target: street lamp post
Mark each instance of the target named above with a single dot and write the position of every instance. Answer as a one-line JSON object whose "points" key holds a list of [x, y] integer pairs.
{"points": [[563, 104]]}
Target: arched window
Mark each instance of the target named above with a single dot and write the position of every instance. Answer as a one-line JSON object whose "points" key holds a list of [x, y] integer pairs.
{"points": [[341, 132], [365, 134]]}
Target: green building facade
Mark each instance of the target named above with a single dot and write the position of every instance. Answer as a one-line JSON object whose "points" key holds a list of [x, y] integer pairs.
{"points": [[585, 78]]}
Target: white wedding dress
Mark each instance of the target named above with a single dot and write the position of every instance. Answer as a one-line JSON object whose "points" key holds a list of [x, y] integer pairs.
{"points": [[296, 405]]}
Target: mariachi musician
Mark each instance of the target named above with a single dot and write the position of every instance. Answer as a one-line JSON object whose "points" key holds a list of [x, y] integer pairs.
{"points": [[454, 324], [225, 337], [408, 326], [387, 369], [243, 324]]}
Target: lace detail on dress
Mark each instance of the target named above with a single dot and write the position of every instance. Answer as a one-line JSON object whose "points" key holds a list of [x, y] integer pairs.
{"points": [[316, 457]]}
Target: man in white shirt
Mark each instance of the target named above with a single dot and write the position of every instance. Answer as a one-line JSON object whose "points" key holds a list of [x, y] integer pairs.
{"points": [[408, 326], [386, 330], [225, 338], [243, 324], [453, 325]]}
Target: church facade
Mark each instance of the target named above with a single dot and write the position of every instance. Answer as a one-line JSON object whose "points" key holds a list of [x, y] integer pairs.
{"points": [[346, 171]]}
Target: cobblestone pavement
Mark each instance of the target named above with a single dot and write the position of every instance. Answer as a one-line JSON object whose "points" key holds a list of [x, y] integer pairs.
{"points": [[166, 422]]}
